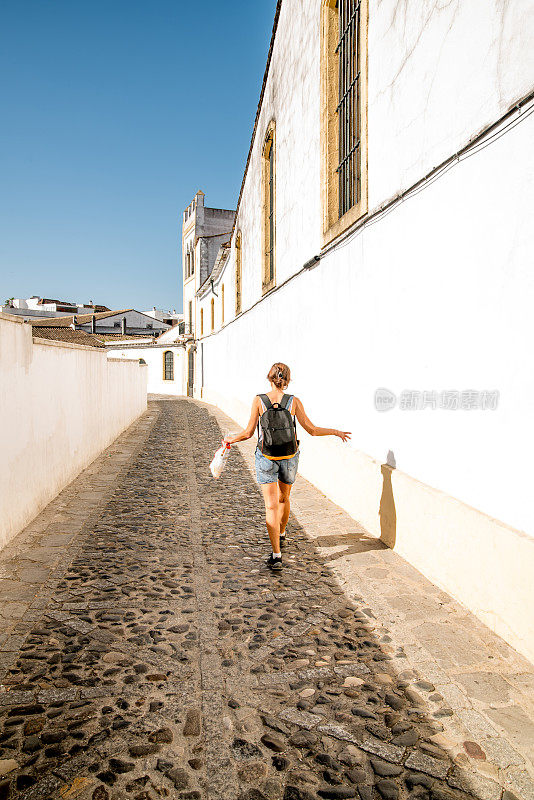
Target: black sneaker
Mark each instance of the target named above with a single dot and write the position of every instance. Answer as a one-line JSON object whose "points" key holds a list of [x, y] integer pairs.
{"points": [[274, 563], [282, 538]]}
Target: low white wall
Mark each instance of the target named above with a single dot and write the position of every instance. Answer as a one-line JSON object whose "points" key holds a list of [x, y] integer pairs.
{"points": [[60, 406], [153, 357]]}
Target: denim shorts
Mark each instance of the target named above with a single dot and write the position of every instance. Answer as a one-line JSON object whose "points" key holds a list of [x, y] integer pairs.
{"points": [[268, 471]]}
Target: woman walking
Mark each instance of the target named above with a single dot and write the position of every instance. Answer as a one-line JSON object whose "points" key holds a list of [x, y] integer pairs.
{"points": [[277, 451]]}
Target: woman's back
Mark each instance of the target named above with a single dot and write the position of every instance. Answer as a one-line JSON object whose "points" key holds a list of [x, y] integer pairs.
{"points": [[275, 396]]}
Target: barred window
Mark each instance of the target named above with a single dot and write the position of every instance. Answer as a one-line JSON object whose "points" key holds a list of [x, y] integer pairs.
{"points": [[348, 108], [343, 114], [238, 274], [269, 213], [168, 365]]}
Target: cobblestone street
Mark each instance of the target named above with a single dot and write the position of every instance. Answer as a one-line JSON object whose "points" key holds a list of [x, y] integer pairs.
{"points": [[146, 651]]}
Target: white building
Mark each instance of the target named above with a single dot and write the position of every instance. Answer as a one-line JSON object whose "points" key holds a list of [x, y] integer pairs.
{"points": [[43, 307], [164, 315], [127, 321], [165, 358], [204, 230], [397, 210]]}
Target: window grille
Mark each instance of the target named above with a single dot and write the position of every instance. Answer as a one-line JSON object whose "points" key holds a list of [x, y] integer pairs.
{"points": [[270, 212], [348, 108], [168, 362], [238, 274]]}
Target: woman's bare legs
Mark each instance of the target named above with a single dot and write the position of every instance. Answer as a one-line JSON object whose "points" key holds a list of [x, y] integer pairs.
{"points": [[284, 490], [270, 493]]}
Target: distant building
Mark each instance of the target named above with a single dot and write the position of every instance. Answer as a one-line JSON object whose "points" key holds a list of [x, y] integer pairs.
{"points": [[43, 307], [164, 357], [170, 317], [114, 324], [204, 230]]}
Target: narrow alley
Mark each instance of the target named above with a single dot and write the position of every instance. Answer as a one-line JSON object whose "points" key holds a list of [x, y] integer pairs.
{"points": [[146, 652]]}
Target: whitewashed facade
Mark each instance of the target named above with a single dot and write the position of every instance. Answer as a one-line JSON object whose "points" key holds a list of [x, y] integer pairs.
{"points": [[164, 357], [204, 230], [430, 291]]}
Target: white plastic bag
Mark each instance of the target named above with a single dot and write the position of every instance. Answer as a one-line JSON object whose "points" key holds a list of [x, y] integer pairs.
{"points": [[219, 460]]}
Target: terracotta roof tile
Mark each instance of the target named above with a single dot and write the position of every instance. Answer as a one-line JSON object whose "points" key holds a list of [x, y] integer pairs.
{"points": [[81, 319], [68, 335]]}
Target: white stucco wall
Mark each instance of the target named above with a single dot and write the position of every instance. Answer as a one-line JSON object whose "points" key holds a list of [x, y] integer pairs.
{"points": [[60, 406], [435, 295], [408, 305], [156, 384]]}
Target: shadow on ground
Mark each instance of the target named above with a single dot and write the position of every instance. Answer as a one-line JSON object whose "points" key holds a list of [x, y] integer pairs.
{"points": [[173, 664]]}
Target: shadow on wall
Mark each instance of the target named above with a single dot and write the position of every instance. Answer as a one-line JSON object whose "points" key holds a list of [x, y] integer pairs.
{"points": [[387, 512]]}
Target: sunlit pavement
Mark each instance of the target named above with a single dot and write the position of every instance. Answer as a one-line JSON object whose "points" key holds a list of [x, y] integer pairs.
{"points": [[147, 652]]}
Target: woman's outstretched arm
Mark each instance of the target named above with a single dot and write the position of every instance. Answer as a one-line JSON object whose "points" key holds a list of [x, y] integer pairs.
{"points": [[247, 432], [314, 430]]}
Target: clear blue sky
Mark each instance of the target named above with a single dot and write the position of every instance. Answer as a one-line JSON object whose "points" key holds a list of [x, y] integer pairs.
{"points": [[114, 113]]}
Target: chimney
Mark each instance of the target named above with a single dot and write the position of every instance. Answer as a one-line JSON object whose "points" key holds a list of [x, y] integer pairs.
{"points": [[74, 322], [123, 326], [93, 323]]}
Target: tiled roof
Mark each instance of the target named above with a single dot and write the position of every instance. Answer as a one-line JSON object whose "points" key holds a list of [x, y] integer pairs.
{"points": [[68, 335], [81, 319]]}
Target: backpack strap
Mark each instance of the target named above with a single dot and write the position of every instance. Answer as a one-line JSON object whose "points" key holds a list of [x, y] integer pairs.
{"points": [[286, 401], [290, 397], [266, 402]]}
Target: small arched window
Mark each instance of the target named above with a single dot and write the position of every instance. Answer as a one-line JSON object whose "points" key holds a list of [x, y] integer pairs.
{"points": [[222, 304], [168, 365], [213, 313], [238, 273]]}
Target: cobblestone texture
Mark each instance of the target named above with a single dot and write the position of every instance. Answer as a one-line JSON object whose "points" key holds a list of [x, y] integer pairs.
{"points": [[147, 652]]}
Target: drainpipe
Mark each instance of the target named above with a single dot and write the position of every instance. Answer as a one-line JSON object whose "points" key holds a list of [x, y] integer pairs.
{"points": [[93, 323]]}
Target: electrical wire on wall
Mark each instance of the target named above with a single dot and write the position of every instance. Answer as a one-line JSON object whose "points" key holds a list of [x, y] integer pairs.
{"points": [[510, 120]]}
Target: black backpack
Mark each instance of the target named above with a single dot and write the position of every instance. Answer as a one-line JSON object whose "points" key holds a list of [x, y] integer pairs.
{"points": [[279, 429]]}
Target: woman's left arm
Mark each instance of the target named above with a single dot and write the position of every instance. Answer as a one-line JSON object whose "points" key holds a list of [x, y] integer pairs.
{"points": [[247, 432]]}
